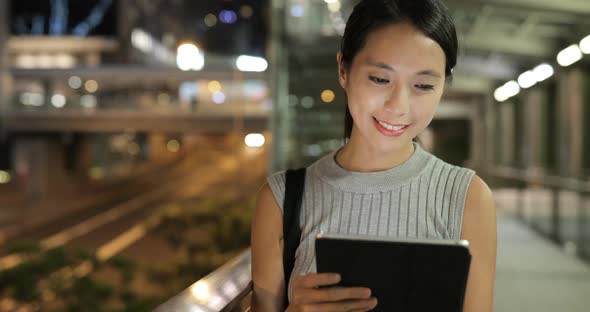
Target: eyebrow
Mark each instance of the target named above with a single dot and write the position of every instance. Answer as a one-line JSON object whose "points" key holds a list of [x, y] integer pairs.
{"points": [[427, 72]]}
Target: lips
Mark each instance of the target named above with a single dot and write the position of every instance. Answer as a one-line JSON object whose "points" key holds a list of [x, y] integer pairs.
{"points": [[390, 129]]}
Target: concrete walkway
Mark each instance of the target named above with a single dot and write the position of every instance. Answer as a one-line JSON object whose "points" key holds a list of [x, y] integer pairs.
{"points": [[534, 274]]}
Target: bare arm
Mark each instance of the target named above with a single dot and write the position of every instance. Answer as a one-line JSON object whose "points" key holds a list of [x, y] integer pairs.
{"points": [[267, 253], [479, 227], [268, 276]]}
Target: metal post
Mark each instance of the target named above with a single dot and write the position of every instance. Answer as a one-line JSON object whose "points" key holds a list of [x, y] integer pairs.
{"points": [[583, 227], [555, 231]]}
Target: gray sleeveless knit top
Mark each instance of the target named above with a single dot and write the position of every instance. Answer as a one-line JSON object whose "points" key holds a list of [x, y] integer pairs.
{"points": [[424, 197]]}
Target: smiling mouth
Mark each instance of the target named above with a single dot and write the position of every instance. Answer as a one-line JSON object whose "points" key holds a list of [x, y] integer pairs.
{"points": [[390, 126]]}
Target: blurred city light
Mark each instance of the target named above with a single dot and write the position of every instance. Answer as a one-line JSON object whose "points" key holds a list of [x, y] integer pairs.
{"points": [[328, 96], [254, 140], [246, 11], [188, 91], [210, 20], [297, 10], [88, 101], [58, 100], [527, 79], [218, 97], [75, 82], [64, 60], [4, 177], [144, 42], [255, 90], [141, 40], [45, 60], [543, 72], [173, 146], [26, 61], [189, 57], [200, 290], [214, 86], [91, 86], [247, 63], [32, 99], [307, 102], [585, 45], [228, 16], [569, 55]]}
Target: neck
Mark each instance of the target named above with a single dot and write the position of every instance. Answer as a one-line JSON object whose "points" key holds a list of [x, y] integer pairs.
{"points": [[357, 158]]}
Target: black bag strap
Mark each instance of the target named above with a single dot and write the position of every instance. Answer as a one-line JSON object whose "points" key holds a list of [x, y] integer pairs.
{"points": [[295, 181]]}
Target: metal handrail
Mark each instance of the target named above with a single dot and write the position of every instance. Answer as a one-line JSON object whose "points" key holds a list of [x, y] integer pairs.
{"points": [[223, 290], [539, 177], [556, 184]]}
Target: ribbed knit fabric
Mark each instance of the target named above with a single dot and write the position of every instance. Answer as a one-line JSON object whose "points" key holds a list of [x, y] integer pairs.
{"points": [[422, 198]]}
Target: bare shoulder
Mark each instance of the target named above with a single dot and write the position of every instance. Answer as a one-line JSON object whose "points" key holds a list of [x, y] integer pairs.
{"points": [[268, 218], [265, 200], [479, 191], [267, 251], [480, 209]]}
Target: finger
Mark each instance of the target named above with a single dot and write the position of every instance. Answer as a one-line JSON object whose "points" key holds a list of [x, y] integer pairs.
{"points": [[313, 280], [370, 308], [334, 294]]}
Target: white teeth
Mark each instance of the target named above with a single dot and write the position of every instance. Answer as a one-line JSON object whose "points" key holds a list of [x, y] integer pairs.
{"points": [[390, 127]]}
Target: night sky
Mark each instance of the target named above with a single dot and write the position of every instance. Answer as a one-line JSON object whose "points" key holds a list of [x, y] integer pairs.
{"points": [[185, 18]]}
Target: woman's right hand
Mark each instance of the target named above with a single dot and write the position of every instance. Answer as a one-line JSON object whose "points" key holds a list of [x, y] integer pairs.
{"points": [[308, 296]]}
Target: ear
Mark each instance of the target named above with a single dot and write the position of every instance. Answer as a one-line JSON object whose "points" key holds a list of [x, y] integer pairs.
{"points": [[342, 74]]}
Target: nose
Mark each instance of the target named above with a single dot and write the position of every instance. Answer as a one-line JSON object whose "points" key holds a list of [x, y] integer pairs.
{"points": [[398, 102]]}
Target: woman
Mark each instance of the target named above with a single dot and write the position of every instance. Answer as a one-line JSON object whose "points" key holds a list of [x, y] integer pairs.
{"points": [[395, 59]]}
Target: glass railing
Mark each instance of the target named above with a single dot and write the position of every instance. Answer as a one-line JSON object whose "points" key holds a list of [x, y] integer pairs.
{"points": [[227, 289], [556, 207]]}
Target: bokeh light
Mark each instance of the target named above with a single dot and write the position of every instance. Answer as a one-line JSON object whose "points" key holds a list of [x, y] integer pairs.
{"points": [[210, 20], [228, 16], [254, 140], [218, 97], [214, 86], [246, 11], [91, 86], [328, 96]]}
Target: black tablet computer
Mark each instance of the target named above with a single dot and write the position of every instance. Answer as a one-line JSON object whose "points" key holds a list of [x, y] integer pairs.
{"points": [[405, 275]]}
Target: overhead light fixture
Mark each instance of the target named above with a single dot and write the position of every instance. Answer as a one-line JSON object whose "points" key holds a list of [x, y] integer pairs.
{"points": [[508, 90], [247, 63], [569, 55], [543, 72], [585, 45], [527, 79]]}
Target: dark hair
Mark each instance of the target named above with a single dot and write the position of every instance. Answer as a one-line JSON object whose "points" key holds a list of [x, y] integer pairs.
{"points": [[431, 17]]}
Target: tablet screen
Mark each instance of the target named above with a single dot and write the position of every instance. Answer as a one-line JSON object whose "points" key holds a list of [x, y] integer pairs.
{"points": [[404, 275]]}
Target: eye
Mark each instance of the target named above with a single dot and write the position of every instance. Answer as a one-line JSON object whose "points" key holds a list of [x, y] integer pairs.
{"points": [[378, 80], [425, 87]]}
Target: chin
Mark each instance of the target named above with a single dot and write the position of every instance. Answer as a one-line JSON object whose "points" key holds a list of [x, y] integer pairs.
{"points": [[391, 146]]}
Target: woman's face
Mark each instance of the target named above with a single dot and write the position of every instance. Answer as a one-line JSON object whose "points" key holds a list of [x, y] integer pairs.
{"points": [[397, 78]]}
